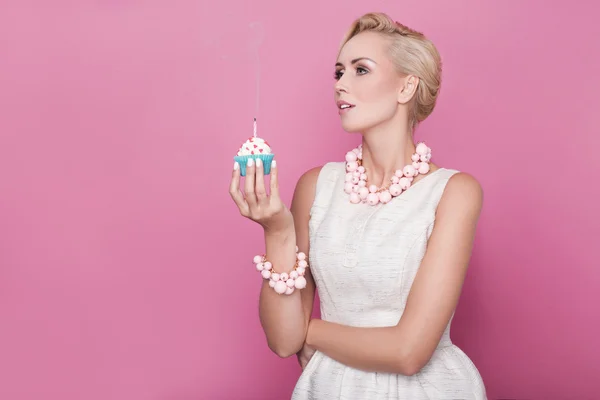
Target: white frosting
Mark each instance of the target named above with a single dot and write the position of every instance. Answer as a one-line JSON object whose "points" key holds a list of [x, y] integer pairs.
{"points": [[254, 145]]}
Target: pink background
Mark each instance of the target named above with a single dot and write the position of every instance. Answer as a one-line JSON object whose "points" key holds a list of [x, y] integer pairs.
{"points": [[124, 266]]}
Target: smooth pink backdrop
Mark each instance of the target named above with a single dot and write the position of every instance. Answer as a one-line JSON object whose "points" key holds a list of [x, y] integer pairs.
{"points": [[124, 267]]}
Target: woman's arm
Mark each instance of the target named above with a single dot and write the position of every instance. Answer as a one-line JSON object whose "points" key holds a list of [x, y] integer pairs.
{"points": [[284, 318], [408, 346]]}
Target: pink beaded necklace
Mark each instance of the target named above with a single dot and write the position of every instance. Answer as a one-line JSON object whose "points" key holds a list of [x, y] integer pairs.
{"points": [[356, 177]]}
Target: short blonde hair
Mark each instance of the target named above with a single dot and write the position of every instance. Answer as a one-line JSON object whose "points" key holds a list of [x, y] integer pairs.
{"points": [[412, 53]]}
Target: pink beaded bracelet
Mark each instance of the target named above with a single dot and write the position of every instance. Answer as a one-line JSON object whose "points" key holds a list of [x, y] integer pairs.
{"points": [[283, 283]]}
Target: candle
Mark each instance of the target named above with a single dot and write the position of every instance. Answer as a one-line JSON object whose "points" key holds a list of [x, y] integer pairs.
{"points": [[254, 126]]}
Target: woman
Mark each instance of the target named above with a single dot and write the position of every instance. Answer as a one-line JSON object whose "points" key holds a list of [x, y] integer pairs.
{"points": [[388, 236]]}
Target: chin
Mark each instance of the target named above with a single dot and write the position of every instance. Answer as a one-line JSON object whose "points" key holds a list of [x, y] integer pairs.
{"points": [[354, 127], [350, 129]]}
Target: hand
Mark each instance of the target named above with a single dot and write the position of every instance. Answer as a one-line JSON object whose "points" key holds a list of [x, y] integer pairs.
{"points": [[266, 209], [304, 355]]}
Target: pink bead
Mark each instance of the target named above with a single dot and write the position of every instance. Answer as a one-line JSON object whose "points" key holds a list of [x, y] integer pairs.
{"points": [[395, 190], [266, 274], [351, 156], [416, 164], [372, 188], [275, 276], [385, 196], [363, 177], [355, 180], [351, 166], [399, 173], [422, 149], [411, 178], [373, 199], [404, 183], [257, 259], [363, 193], [415, 157], [294, 275], [348, 187], [409, 170], [260, 267], [354, 199], [301, 256], [361, 169], [272, 283], [290, 282], [280, 287], [356, 174], [395, 179], [283, 276], [302, 264], [300, 282], [268, 266], [289, 291], [424, 168], [362, 184], [301, 271], [356, 151], [349, 176], [355, 188]]}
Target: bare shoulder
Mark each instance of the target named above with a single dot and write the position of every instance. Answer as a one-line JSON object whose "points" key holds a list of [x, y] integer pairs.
{"points": [[463, 194], [304, 193], [309, 178]]}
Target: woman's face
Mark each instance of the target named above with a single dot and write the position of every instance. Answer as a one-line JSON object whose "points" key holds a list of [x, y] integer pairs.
{"points": [[367, 81]]}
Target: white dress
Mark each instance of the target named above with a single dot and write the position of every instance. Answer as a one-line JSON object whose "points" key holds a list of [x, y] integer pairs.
{"points": [[364, 259]]}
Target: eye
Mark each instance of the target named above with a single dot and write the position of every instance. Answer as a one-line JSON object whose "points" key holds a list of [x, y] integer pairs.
{"points": [[359, 71]]}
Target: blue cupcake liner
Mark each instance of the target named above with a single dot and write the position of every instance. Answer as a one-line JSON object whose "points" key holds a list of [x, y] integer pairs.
{"points": [[265, 158]]}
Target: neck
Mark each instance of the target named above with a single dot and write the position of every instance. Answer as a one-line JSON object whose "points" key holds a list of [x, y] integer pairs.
{"points": [[384, 152]]}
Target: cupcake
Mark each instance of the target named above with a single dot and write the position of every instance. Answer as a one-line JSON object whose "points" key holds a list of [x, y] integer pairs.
{"points": [[255, 147]]}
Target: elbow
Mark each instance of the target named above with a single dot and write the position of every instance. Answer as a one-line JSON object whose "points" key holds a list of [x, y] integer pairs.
{"points": [[411, 369], [410, 365], [284, 351]]}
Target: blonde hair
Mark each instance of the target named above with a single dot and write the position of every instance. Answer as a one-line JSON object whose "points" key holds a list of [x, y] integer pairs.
{"points": [[412, 53]]}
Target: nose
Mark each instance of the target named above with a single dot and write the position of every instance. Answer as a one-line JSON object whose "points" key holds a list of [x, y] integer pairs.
{"points": [[339, 88]]}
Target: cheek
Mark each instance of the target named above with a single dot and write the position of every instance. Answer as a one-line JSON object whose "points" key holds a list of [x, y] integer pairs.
{"points": [[381, 100], [378, 91], [378, 94], [377, 102]]}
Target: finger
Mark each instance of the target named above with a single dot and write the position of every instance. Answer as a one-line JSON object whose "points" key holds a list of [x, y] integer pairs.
{"points": [[249, 184], [274, 179], [259, 187], [234, 190]]}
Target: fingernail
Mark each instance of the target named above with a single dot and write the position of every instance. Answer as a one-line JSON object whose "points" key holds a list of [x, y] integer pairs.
{"points": [[274, 164], [250, 162], [258, 162], [236, 166]]}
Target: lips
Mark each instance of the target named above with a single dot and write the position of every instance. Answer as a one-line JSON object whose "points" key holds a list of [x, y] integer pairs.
{"points": [[344, 105]]}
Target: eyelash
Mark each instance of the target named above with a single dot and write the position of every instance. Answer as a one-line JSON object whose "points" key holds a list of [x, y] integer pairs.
{"points": [[338, 74]]}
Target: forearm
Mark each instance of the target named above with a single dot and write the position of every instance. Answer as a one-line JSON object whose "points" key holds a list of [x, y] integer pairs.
{"points": [[282, 316], [369, 349]]}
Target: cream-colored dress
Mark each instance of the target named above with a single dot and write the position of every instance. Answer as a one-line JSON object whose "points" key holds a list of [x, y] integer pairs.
{"points": [[364, 259]]}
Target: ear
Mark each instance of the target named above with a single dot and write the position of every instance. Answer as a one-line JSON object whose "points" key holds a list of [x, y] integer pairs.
{"points": [[408, 89]]}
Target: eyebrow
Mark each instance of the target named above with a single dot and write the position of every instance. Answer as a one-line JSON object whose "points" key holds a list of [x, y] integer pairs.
{"points": [[355, 61]]}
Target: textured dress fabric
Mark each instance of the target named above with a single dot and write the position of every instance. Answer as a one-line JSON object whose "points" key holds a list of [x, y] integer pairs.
{"points": [[364, 259]]}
